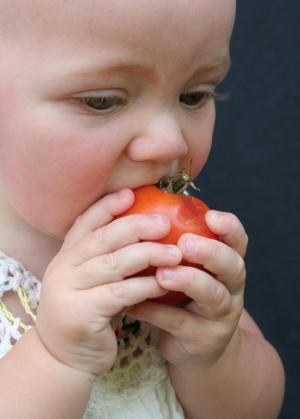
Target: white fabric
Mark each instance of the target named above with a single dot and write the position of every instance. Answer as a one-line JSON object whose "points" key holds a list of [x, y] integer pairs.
{"points": [[137, 387], [13, 275]]}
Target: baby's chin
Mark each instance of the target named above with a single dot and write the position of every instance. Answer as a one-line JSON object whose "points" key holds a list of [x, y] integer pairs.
{"points": [[53, 227], [56, 233]]}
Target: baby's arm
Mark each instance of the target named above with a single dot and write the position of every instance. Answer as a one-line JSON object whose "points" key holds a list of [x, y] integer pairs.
{"points": [[247, 383], [35, 385], [49, 373]]}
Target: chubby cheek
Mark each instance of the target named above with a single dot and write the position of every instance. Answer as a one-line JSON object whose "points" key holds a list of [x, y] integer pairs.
{"points": [[200, 134], [49, 195], [50, 176]]}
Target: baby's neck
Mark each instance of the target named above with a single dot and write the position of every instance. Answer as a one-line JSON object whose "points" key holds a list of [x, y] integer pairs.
{"points": [[22, 242]]}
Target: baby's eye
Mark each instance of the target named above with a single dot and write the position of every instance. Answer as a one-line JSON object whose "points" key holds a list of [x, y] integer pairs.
{"points": [[195, 100], [102, 103], [199, 98]]}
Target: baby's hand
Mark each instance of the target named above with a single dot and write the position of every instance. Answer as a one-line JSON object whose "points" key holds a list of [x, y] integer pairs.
{"points": [[199, 333], [83, 287]]}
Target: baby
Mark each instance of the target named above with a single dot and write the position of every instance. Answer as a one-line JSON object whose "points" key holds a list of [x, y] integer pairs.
{"points": [[99, 98]]}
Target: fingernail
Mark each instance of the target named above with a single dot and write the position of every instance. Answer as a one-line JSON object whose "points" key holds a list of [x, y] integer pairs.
{"points": [[213, 215], [218, 217], [166, 274], [172, 251], [159, 221], [190, 245], [123, 193]]}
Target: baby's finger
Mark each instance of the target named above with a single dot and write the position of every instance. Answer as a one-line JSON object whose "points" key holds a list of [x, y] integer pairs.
{"points": [[216, 257], [229, 228], [177, 321], [119, 233], [114, 297], [212, 297], [125, 262], [98, 215]]}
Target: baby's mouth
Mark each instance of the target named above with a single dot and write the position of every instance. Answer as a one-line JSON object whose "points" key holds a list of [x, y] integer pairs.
{"points": [[152, 176], [169, 171]]}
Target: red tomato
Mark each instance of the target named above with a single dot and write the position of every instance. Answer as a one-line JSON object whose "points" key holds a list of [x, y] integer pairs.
{"points": [[186, 214]]}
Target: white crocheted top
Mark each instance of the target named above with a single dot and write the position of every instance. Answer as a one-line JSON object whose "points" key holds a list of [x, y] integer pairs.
{"points": [[137, 387]]}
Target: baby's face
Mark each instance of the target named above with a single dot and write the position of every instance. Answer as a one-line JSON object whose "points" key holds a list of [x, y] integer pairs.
{"points": [[100, 95]]}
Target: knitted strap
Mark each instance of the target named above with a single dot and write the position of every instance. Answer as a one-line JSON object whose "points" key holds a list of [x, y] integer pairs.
{"points": [[25, 303]]}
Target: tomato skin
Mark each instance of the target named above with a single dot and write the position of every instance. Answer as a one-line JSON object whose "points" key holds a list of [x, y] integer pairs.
{"points": [[186, 214]]}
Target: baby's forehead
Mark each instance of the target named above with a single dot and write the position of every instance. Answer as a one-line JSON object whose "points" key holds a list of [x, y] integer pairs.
{"points": [[47, 32], [23, 18], [41, 18]]}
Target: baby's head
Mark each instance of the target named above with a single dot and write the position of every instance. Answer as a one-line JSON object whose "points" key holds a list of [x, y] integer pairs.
{"points": [[98, 95]]}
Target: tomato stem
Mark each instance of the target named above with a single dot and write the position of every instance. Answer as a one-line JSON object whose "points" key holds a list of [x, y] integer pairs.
{"points": [[176, 184]]}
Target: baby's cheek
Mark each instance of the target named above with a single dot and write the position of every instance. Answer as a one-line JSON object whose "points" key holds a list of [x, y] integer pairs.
{"points": [[63, 192], [202, 135], [49, 188], [50, 169]]}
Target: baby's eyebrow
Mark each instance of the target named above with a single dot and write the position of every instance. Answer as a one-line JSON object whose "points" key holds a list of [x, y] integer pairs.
{"points": [[222, 65], [111, 69]]}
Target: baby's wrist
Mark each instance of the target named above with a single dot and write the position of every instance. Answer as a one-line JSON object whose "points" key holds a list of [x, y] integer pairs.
{"points": [[210, 362], [42, 351]]}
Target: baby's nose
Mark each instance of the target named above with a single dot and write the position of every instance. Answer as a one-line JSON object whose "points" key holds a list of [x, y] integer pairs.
{"points": [[160, 140]]}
